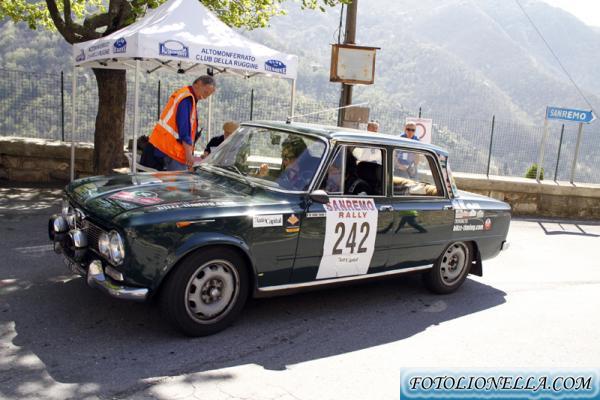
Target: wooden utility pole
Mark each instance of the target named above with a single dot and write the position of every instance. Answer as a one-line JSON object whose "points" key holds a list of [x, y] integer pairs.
{"points": [[349, 38]]}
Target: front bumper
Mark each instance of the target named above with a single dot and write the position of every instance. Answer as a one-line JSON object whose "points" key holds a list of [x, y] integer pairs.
{"points": [[78, 256], [96, 278]]}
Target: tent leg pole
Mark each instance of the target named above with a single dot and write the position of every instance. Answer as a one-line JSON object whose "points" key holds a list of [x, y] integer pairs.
{"points": [[135, 116], [73, 101], [209, 120], [293, 99]]}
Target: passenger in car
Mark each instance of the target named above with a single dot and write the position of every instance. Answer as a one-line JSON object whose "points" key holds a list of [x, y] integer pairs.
{"points": [[355, 184]]}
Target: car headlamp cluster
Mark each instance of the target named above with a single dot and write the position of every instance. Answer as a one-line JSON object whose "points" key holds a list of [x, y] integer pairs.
{"points": [[112, 247]]}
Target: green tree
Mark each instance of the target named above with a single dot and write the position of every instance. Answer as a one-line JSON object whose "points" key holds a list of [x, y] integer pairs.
{"points": [[82, 20]]}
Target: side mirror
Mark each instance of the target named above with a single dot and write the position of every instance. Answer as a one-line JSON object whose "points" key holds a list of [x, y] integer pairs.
{"points": [[319, 196]]}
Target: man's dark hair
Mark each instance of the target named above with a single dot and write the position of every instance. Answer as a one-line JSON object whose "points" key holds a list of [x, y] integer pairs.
{"points": [[206, 80], [294, 144]]}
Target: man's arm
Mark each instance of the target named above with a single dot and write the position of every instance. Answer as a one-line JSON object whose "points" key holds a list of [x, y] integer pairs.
{"points": [[211, 143], [184, 129]]}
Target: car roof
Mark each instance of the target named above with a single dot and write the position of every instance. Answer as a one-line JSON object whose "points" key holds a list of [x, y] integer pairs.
{"points": [[329, 132]]}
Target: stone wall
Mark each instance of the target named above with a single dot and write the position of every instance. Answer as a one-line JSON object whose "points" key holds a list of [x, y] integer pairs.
{"points": [[38, 160], [529, 198], [41, 160]]}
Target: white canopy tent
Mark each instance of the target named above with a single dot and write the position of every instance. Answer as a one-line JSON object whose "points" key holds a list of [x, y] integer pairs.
{"points": [[182, 36]]}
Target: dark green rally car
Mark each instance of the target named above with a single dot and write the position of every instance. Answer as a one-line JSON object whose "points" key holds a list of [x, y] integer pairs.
{"points": [[275, 209]]}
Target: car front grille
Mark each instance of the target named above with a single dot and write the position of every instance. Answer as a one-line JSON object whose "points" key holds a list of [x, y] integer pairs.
{"points": [[93, 231]]}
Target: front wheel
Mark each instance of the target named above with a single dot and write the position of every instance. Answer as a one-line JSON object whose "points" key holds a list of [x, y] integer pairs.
{"points": [[206, 292], [451, 269]]}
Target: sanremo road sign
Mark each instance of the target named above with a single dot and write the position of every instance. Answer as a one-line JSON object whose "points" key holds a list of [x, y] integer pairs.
{"points": [[571, 115]]}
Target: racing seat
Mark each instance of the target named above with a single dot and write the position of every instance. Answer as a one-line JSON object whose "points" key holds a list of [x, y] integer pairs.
{"points": [[371, 173]]}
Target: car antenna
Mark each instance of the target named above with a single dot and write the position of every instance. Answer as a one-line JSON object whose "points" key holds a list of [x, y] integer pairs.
{"points": [[290, 117]]}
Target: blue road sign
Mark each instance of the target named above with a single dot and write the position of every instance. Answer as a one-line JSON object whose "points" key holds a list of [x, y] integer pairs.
{"points": [[567, 114]]}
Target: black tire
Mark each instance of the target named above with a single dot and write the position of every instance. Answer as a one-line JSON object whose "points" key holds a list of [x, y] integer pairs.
{"points": [[442, 279], [223, 278]]}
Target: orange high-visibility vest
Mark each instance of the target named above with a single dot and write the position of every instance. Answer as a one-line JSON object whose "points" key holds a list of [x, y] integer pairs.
{"points": [[165, 136]]}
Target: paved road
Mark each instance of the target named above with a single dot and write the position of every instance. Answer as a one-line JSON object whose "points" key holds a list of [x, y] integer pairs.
{"points": [[536, 306]]}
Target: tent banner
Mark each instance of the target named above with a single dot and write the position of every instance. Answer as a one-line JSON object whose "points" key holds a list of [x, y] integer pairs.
{"points": [[272, 63]]}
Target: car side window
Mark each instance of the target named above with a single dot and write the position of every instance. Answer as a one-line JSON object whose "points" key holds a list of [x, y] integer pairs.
{"points": [[415, 174], [356, 171]]}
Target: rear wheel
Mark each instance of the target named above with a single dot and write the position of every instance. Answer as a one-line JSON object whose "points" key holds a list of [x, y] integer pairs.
{"points": [[451, 269], [206, 292]]}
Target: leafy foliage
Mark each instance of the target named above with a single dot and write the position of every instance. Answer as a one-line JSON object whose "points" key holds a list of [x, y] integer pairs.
{"points": [[532, 172], [80, 20]]}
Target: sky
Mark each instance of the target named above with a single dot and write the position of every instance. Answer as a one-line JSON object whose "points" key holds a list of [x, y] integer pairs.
{"points": [[586, 10]]}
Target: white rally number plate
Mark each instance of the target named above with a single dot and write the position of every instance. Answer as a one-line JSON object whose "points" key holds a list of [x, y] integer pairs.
{"points": [[350, 231]]}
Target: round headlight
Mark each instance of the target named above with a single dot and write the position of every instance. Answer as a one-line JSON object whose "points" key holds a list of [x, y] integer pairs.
{"points": [[117, 249], [104, 244], [59, 225]]}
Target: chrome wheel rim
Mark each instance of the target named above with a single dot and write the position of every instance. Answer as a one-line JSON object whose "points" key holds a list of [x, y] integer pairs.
{"points": [[453, 263], [211, 291]]}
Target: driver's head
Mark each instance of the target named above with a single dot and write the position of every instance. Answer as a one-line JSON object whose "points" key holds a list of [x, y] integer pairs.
{"points": [[291, 150]]}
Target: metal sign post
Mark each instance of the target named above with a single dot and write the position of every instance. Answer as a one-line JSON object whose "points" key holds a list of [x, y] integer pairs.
{"points": [[574, 166], [541, 156], [293, 99], [570, 115]]}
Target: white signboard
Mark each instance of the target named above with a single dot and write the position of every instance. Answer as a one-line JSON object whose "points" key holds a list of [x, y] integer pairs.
{"points": [[352, 64], [351, 228], [424, 126]]}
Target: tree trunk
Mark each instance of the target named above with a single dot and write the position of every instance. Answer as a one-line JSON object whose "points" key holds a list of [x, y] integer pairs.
{"points": [[110, 120]]}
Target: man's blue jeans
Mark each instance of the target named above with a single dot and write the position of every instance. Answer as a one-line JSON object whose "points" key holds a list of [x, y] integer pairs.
{"points": [[174, 165]]}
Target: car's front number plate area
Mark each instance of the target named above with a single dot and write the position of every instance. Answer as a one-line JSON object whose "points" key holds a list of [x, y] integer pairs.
{"points": [[350, 230]]}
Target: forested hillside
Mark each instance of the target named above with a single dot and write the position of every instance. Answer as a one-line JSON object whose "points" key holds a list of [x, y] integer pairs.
{"points": [[461, 61]]}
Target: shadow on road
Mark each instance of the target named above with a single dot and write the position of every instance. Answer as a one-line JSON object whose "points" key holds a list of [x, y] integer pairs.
{"points": [[562, 228], [101, 345], [26, 200]]}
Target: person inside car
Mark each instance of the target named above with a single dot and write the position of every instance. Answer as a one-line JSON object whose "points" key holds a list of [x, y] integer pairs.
{"points": [[291, 149], [353, 183]]}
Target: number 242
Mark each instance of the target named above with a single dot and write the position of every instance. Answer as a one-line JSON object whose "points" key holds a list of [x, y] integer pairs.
{"points": [[340, 229]]}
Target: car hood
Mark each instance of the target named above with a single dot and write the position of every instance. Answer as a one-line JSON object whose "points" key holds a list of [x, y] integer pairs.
{"points": [[109, 196]]}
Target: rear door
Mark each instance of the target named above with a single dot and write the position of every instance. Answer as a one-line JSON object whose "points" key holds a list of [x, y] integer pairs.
{"points": [[345, 237], [423, 214]]}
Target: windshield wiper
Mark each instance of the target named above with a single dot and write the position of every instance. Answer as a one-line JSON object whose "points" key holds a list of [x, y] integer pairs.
{"points": [[236, 169]]}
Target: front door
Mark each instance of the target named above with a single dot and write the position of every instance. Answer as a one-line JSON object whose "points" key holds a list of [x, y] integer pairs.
{"points": [[346, 237], [423, 214]]}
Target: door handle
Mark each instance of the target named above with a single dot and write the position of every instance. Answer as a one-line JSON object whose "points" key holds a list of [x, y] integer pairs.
{"points": [[386, 208]]}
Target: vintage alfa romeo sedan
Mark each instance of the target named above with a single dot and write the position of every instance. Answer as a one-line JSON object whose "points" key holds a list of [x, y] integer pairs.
{"points": [[277, 208]]}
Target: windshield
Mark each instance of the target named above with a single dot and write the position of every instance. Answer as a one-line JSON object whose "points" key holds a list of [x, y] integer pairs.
{"points": [[277, 159]]}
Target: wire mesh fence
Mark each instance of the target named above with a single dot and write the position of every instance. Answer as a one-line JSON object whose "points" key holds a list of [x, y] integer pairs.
{"points": [[38, 105]]}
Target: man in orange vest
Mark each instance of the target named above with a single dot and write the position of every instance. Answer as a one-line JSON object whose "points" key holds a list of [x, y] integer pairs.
{"points": [[175, 132]]}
